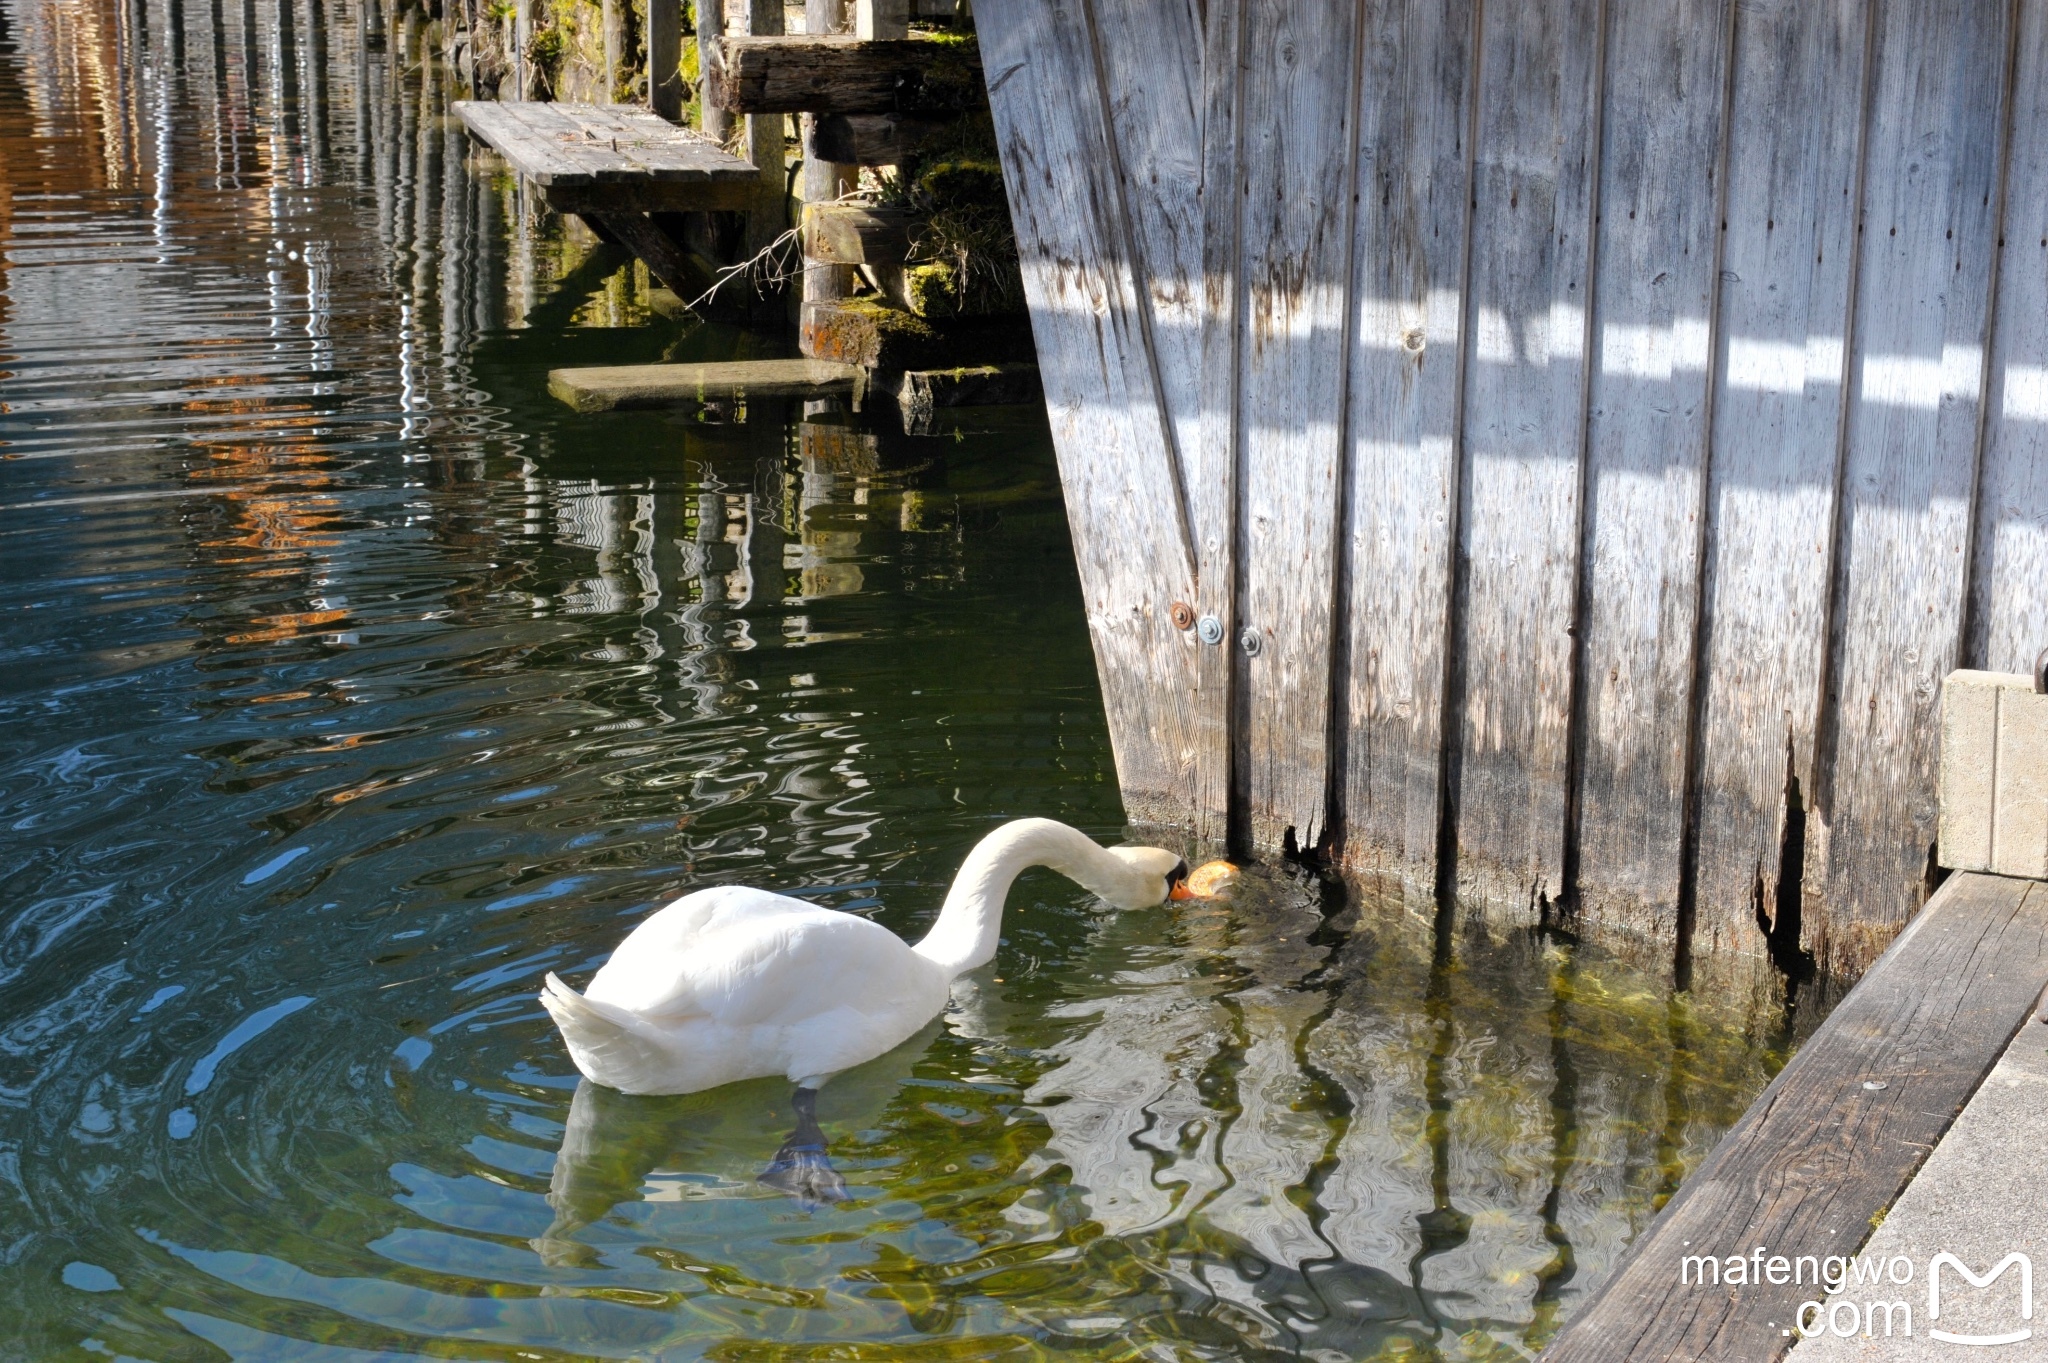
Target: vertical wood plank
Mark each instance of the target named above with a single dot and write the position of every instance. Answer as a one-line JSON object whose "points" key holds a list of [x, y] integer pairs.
{"points": [[1784, 310], [1414, 150], [1149, 60], [1525, 335], [2010, 613], [1916, 372], [1646, 447], [1216, 462], [1083, 289], [1298, 114]]}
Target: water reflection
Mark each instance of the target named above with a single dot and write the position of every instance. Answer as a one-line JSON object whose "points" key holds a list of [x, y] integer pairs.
{"points": [[348, 686]]}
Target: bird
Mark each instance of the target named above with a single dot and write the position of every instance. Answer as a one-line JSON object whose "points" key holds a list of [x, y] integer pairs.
{"points": [[734, 983]]}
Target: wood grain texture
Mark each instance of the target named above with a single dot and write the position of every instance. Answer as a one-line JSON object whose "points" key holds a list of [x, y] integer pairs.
{"points": [[1084, 288], [1818, 1154], [1779, 369], [2010, 612], [1646, 451], [1298, 113], [1923, 306], [1532, 226], [1415, 114]]}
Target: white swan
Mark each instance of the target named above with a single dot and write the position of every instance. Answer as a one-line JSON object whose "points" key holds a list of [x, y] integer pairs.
{"points": [[736, 983]]}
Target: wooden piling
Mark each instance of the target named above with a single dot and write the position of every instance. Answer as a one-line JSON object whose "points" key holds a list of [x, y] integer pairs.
{"points": [[825, 180], [665, 57]]}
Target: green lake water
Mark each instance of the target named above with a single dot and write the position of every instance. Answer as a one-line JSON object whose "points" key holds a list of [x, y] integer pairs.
{"points": [[348, 685]]}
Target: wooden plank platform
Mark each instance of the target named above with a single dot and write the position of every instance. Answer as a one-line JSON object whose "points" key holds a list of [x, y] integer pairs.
{"points": [[611, 158], [1833, 1140], [619, 387]]}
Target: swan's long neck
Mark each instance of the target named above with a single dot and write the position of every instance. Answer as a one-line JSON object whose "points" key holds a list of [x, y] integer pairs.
{"points": [[971, 921]]}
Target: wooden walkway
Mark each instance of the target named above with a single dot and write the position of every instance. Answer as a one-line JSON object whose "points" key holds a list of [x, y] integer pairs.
{"points": [[1834, 1139]]}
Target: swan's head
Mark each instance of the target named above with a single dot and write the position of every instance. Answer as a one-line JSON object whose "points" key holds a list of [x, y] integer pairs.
{"points": [[1160, 875]]}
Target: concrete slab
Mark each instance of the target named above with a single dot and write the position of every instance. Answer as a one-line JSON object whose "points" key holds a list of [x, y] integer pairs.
{"points": [[1994, 774], [1981, 1197], [603, 389]]}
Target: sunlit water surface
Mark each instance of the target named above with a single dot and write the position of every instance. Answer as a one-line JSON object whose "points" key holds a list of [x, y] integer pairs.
{"points": [[348, 685]]}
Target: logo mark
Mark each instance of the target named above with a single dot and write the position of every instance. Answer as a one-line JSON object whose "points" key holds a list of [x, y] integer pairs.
{"points": [[2026, 1267]]}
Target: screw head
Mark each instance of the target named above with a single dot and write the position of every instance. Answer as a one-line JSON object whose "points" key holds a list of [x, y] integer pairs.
{"points": [[1209, 630], [1183, 615], [1248, 639]]}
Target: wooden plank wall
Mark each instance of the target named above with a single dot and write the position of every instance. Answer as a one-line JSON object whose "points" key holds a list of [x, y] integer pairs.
{"points": [[1592, 427]]}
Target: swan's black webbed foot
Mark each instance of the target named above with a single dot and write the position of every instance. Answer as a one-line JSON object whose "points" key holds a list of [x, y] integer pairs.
{"points": [[803, 1167]]}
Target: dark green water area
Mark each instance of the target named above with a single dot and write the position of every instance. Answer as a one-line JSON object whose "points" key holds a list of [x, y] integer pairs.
{"points": [[348, 685]]}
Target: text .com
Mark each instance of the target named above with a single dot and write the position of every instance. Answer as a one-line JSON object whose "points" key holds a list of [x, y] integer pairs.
{"points": [[1867, 1296]]}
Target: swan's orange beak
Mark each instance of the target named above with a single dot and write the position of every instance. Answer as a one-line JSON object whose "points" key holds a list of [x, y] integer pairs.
{"points": [[1180, 890]]}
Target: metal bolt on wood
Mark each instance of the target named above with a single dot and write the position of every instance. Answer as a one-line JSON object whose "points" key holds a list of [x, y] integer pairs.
{"points": [[1248, 639], [1209, 630], [1183, 615]]}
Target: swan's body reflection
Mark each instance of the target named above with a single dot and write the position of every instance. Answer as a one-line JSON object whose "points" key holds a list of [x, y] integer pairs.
{"points": [[723, 1143]]}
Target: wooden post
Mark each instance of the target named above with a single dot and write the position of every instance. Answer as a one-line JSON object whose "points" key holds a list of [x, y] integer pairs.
{"points": [[614, 46], [766, 147], [713, 121], [825, 180], [665, 58], [884, 19]]}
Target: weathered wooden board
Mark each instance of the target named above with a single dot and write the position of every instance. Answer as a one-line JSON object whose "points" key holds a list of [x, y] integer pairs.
{"points": [[598, 156], [1524, 399], [1646, 448], [1778, 403], [1836, 1135], [1298, 113], [604, 388], [1407, 357], [1930, 230], [1084, 288], [2010, 614], [833, 73]]}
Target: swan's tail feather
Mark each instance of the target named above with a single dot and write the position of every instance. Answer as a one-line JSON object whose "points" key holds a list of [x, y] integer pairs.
{"points": [[609, 1045]]}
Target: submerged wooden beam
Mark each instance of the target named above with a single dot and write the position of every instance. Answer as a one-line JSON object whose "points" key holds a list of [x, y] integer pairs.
{"points": [[834, 73], [620, 387], [1832, 1141]]}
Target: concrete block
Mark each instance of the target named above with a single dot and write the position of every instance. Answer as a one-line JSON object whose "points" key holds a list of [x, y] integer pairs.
{"points": [[1994, 774]]}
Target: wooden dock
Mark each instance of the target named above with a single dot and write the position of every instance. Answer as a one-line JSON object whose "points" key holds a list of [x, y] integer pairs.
{"points": [[605, 159], [1817, 1159]]}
